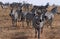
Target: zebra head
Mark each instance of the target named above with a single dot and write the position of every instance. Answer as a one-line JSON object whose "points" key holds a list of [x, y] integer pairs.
{"points": [[12, 12]]}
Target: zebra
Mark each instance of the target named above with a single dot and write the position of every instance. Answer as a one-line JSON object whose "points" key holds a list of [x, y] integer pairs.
{"points": [[23, 17], [29, 17], [39, 20], [49, 16], [38, 23], [17, 16], [13, 14]]}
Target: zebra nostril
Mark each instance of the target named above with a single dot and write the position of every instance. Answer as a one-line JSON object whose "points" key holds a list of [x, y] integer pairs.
{"points": [[40, 20]]}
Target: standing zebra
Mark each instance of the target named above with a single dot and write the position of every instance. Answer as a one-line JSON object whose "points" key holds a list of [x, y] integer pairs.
{"points": [[13, 14], [29, 17], [23, 17], [38, 22], [49, 16]]}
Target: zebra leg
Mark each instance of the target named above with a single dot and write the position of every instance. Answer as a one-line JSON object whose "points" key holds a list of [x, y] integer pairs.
{"points": [[39, 34], [27, 23], [30, 23], [35, 33], [22, 23], [50, 23], [47, 24], [13, 22], [41, 29], [16, 23], [41, 26]]}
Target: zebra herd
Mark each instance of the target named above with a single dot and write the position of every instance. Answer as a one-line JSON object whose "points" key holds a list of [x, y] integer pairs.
{"points": [[37, 17]]}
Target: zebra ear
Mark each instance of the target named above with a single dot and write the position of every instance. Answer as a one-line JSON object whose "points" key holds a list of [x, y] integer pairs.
{"points": [[54, 10]]}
